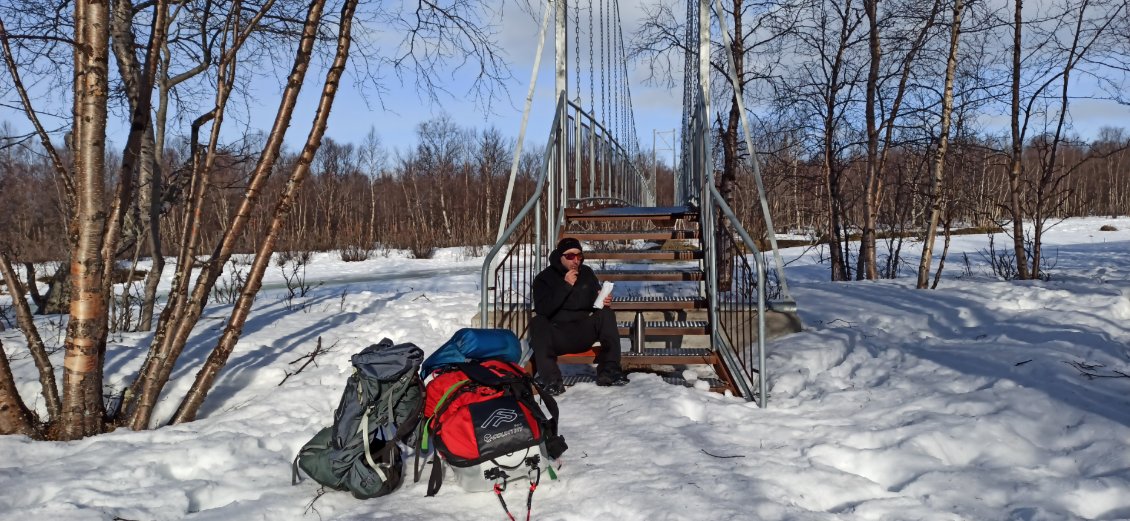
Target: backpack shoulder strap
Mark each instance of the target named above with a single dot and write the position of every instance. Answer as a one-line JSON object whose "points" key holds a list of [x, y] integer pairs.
{"points": [[483, 376], [403, 429]]}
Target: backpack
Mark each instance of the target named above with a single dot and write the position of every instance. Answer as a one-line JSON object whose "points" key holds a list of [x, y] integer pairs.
{"points": [[380, 406], [469, 344], [483, 421]]}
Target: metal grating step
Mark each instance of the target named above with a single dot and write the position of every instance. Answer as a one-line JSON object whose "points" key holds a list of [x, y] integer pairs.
{"points": [[715, 384], [668, 327], [657, 303], [670, 352], [689, 274]]}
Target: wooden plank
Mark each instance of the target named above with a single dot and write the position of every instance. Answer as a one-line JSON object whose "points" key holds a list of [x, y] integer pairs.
{"points": [[633, 211], [689, 274], [630, 213], [638, 255], [625, 235], [648, 357]]}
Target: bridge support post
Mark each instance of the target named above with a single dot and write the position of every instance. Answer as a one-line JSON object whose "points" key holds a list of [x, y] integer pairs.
{"points": [[638, 333], [561, 48]]}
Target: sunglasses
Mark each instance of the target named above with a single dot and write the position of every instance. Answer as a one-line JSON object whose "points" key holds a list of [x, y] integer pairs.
{"points": [[573, 256]]}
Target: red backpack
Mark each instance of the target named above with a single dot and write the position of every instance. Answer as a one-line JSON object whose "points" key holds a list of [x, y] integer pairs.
{"points": [[482, 419]]}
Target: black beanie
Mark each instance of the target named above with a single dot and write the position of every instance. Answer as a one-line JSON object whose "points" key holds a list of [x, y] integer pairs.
{"points": [[567, 244]]}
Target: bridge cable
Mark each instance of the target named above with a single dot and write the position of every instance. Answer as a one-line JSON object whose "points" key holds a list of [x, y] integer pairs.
{"points": [[592, 67], [603, 86], [525, 120], [577, 46]]}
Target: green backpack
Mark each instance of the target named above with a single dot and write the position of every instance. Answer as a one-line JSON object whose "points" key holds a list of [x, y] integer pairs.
{"points": [[380, 407]]}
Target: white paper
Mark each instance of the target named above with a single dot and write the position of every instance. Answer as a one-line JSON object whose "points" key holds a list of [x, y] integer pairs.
{"points": [[605, 290]]}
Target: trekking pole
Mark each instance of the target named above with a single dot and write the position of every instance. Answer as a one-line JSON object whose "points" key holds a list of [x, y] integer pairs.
{"points": [[498, 492], [533, 486], [495, 474], [534, 477]]}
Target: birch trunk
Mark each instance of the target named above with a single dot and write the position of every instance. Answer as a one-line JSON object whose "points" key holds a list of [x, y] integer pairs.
{"points": [[190, 406], [82, 406], [35, 346], [939, 162], [168, 344], [15, 418], [1015, 187]]}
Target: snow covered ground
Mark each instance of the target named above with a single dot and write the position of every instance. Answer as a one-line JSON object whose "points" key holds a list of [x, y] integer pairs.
{"points": [[964, 403]]}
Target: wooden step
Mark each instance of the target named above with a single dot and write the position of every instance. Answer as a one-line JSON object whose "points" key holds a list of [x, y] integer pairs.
{"points": [[648, 357], [657, 303], [650, 275], [627, 235], [667, 328], [630, 213], [639, 255]]}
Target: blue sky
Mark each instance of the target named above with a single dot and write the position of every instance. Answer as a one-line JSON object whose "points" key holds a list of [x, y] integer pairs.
{"points": [[356, 110], [656, 108]]}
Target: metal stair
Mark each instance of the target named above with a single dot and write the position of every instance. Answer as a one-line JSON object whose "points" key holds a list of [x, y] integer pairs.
{"points": [[657, 234], [715, 384], [692, 276], [626, 238], [657, 303], [651, 275]]}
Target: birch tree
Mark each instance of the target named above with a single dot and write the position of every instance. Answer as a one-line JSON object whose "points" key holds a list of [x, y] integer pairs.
{"points": [[938, 163], [910, 43], [97, 225]]}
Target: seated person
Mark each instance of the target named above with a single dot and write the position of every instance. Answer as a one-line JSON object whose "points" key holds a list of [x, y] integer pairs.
{"points": [[566, 322]]}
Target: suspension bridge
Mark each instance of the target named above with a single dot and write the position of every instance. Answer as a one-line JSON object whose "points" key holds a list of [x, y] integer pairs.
{"points": [[692, 287]]}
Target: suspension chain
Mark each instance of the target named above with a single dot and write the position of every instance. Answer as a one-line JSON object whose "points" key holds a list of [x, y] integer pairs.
{"points": [[577, 45], [592, 95], [624, 128], [603, 85]]}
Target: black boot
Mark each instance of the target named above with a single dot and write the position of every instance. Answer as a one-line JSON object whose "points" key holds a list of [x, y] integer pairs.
{"points": [[553, 388], [610, 374]]}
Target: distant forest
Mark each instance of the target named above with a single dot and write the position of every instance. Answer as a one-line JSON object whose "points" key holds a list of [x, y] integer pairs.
{"points": [[449, 189]]}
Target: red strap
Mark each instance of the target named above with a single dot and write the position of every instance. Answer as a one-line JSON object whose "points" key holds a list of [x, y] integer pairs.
{"points": [[498, 488]]}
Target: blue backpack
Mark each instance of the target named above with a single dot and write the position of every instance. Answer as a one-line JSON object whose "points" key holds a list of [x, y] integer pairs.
{"points": [[474, 345]]}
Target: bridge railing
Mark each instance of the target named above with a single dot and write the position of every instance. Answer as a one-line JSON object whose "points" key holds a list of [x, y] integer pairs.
{"points": [[600, 166], [734, 269], [582, 162]]}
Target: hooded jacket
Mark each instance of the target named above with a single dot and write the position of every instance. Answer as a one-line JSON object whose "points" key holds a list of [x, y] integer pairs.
{"points": [[559, 302]]}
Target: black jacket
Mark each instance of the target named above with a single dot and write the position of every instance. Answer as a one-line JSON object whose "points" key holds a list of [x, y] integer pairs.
{"points": [[556, 300]]}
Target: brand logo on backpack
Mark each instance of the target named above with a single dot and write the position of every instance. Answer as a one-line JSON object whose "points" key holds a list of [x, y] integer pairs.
{"points": [[499, 417], [501, 427], [489, 437]]}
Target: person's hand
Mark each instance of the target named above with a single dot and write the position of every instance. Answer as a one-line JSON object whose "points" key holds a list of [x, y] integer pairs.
{"points": [[571, 277], [608, 301]]}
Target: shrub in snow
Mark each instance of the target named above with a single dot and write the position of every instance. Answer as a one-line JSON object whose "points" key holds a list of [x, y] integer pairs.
{"points": [[1108, 228], [355, 254]]}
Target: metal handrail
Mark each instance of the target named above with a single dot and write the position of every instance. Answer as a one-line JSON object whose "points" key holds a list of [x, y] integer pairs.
{"points": [[599, 125], [634, 193], [699, 182], [533, 202], [731, 354], [561, 171]]}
